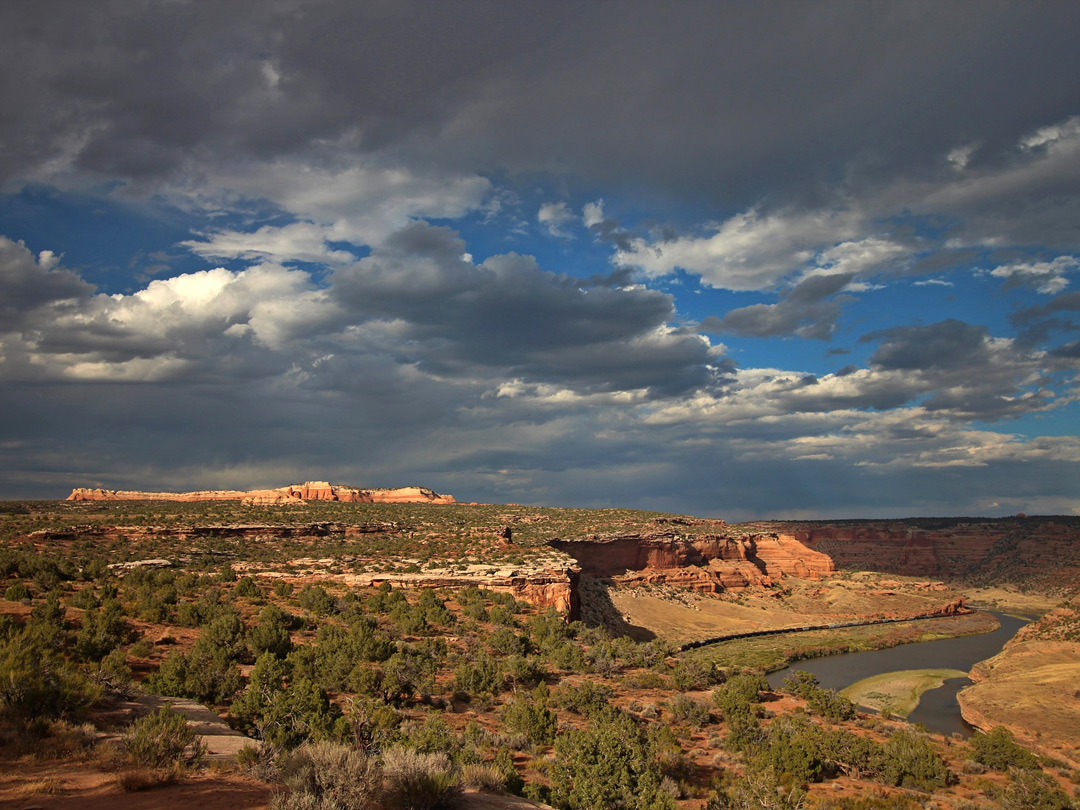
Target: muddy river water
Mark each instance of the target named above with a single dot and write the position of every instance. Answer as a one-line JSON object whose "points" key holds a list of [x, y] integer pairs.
{"points": [[938, 709]]}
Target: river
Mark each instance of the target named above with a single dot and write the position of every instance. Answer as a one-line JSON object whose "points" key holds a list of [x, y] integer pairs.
{"points": [[938, 709]]}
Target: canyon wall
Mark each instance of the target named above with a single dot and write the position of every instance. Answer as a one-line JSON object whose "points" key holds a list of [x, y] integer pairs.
{"points": [[708, 563], [295, 493], [1040, 552]]}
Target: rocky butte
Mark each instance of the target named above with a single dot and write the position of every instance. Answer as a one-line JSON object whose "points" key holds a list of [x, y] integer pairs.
{"points": [[294, 493]]}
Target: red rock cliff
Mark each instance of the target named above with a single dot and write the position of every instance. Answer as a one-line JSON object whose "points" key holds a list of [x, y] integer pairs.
{"points": [[707, 563], [295, 493]]}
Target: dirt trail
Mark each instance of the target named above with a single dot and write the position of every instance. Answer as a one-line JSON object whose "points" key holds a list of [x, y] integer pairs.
{"points": [[222, 742]]}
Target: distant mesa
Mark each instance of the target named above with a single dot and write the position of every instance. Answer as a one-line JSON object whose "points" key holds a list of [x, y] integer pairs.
{"points": [[294, 493]]}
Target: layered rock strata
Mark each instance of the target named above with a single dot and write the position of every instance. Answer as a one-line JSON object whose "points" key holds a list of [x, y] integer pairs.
{"points": [[295, 493], [1042, 552], [550, 586], [703, 563]]}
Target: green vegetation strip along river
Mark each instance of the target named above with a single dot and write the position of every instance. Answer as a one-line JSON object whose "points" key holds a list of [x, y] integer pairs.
{"points": [[898, 692]]}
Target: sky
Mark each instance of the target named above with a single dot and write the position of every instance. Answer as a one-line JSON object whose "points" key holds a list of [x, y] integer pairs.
{"points": [[738, 260]]}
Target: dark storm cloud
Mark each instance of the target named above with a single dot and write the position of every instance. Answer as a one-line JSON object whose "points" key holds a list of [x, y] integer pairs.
{"points": [[802, 311], [509, 314], [965, 371], [717, 101], [950, 344], [28, 283]]}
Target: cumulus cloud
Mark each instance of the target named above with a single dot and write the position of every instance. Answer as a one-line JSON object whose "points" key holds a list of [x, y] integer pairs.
{"points": [[510, 314], [331, 133], [554, 217], [28, 283], [802, 311], [1048, 278]]}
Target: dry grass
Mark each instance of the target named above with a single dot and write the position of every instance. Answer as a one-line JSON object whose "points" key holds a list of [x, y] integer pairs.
{"points": [[132, 780], [48, 786]]}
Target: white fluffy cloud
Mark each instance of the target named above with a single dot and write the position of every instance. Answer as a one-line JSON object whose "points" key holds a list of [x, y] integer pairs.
{"points": [[1048, 278], [555, 217]]}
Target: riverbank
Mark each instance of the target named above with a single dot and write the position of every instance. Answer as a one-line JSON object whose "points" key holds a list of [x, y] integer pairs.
{"points": [[775, 652]]}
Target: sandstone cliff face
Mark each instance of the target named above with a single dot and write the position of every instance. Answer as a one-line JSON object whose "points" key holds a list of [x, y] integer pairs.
{"points": [[1040, 552], [295, 493], [703, 563], [555, 587]]}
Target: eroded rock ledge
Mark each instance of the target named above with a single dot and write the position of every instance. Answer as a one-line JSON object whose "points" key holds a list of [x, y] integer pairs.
{"points": [[709, 563], [294, 493]]}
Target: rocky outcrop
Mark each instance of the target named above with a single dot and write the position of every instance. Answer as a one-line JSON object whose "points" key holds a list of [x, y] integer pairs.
{"points": [[295, 493], [709, 563], [554, 587], [235, 531]]}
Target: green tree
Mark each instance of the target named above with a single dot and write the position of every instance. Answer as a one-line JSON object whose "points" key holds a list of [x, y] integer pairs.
{"points": [[997, 749], [606, 765]]}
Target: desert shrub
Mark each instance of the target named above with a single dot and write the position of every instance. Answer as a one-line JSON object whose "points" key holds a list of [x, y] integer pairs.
{"points": [[162, 738], [482, 676], [434, 609], [500, 615], [374, 723], [608, 764], [646, 680], [433, 736], [476, 611], [482, 776], [271, 632], [328, 776], [692, 674], [909, 760], [36, 682], [801, 683], [17, 592], [519, 670], [687, 711], [285, 710], [830, 704], [506, 642], [418, 781], [793, 747], [872, 803], [247, 588], [998, 750], [564, 655], [504, 763], [283, 589], [85, 599], [532, 718], [602, 659], [155, 602], [739, 694], [206, 674], [113, 674], [316, 599], [825, 702], [760, 788], [744, 733], [409, 620], [227, 634], [1033, 790], [403, 674], [47, 625], [338, 651], [585, 698], [102, 631]]}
